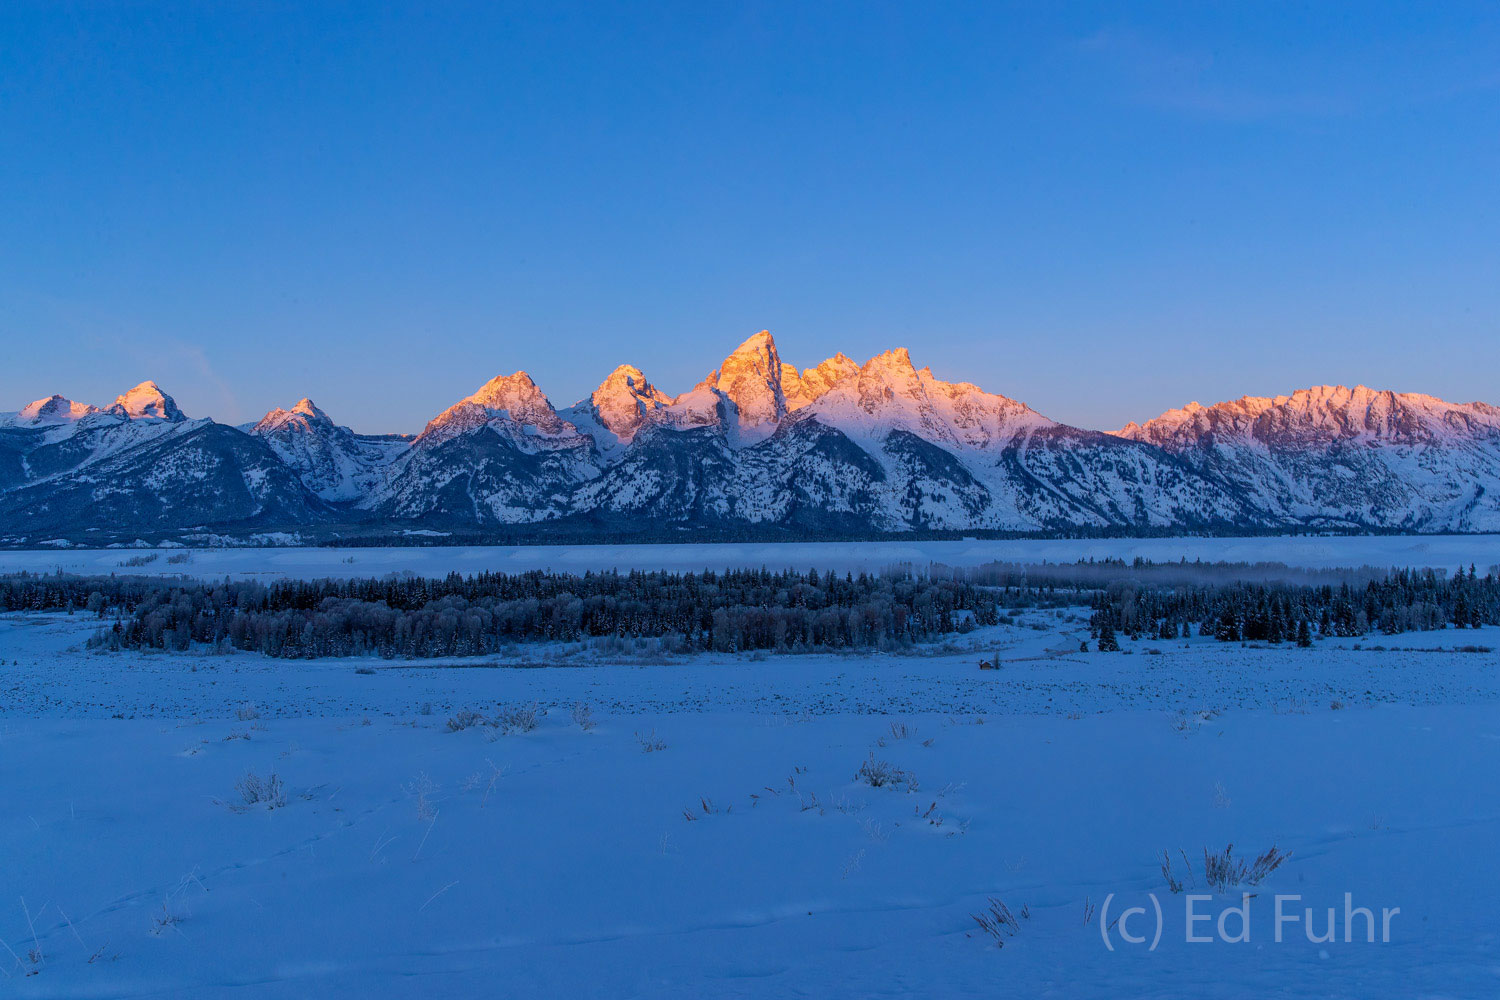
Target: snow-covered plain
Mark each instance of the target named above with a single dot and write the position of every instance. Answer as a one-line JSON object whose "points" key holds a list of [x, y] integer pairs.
{"points": [[413, 861], [1438, 551]]}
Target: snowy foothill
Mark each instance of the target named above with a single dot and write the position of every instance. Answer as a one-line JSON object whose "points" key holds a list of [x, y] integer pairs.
{"points": [[600, 819], [1445, 552]]}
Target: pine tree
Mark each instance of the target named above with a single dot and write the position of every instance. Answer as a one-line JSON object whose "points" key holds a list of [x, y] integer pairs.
{"points": [[1304, 635], [1107, 641], [1229, 627]]}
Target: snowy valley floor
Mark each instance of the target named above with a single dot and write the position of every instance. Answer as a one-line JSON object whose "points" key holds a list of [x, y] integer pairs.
{"points": [[709, 837]]}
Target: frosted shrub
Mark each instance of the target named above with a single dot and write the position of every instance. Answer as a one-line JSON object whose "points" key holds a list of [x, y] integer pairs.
{"points": [[1174, 881], [163, 921], [269, 792], [882, 773], [997, 921], [246, 712], [423, 790], [583, 715], [463, 719], [1223, 871], [522, 719]]}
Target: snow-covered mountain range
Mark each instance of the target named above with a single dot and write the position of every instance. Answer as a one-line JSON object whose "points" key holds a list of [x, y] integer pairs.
{"points": [[758, 444]]}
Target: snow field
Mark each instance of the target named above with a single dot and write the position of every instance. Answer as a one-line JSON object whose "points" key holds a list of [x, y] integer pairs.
{"points": [[412, 860]]}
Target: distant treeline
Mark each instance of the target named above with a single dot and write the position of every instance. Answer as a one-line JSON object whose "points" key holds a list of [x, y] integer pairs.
{"points": [[483, 614], [1243, 602], [623, 532], [1250, 611], [1237, 602], [756, 609], [1091, 574]]}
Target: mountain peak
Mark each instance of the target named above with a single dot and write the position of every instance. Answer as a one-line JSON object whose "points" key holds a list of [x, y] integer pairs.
{"points": [[502, 391], [896, 360], [303, 415], [815, 382], [756, 344], [55, 409], [626, 372], [626, 379], [1315, 416], [624, 401], [513, 398], [887, 393], [147, 402], [751, 378]]}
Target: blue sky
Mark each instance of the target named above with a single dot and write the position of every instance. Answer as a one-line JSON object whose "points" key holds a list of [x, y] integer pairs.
{"points": [[1102, 210]]}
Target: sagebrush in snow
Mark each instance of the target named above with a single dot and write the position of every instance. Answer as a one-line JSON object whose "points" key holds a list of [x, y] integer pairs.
{"points": [[496, 773], [521, 719], [583, 715], [1223, 871], [882, 773], [269, 792], [997, 921], [162, 921], [423, 789], [463, 719]]}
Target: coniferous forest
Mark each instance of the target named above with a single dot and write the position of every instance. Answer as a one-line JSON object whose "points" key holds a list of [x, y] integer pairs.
{"points": [[481, 614], [1264, 602], [746, 610]]}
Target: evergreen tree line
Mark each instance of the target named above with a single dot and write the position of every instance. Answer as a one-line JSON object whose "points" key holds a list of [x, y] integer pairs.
{"points": [[484, 613], [753, 609], [1400, 601], [1094, 574]]}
